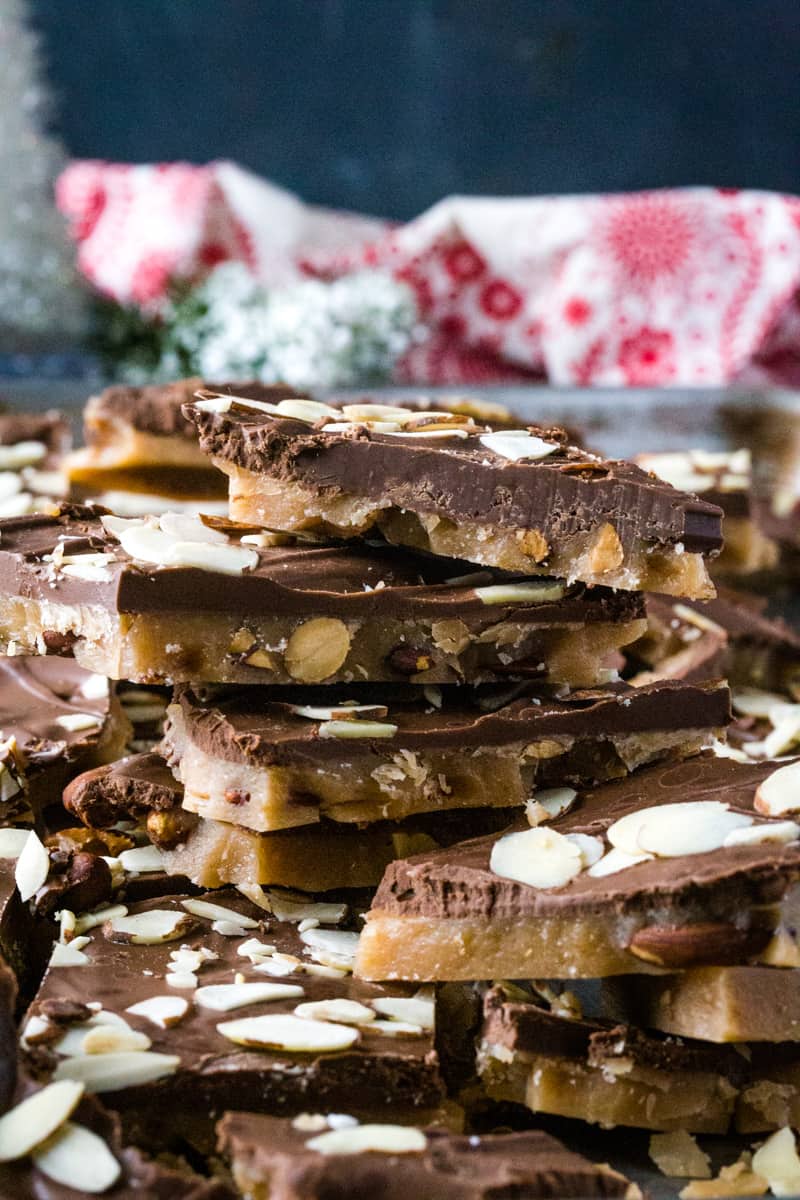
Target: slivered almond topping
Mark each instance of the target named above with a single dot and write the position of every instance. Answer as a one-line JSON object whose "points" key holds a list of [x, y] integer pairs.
{"points": [[78, 1159], [218, 912], [282, 1032], [224, 997], [346, 1012], [540, 858], [164, 1011], [36, 1118], [375, 1139]]}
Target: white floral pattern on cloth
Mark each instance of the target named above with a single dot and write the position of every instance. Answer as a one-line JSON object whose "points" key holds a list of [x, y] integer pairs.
{"points": [[697, 286]]}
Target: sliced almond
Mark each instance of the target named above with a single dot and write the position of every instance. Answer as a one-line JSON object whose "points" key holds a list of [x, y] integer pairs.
{"points": [[777, 1161], [184, 527], [346, 1012], [374, 1139], [70, 1044], [310, 1122], [33, 867], [286, 909], [340, 712], [164, 1011], [317, 649], [336, 943], [70, 954], [109, 1039], [516, 444], [396, 1029], [540, 858], [696, 827], [37, 1117], [377, 412], [21, 454], [750, 702], [415, 1010], [306, 410], [142, 860], [77, 722], [357, 729], [754, 835], [225, 997], [228, 929], [181, 980], [113, 1072], [282, 1032], [191, 958], [521, 593], [77, 1158], [12, 842], [91, 920], [591, 848], [255, 950], [150, 928], [616, 860], [553, 802], [218, 912], [779, 793], [222, 560]]}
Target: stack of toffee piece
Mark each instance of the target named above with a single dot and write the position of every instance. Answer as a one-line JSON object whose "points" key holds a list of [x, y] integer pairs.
{"points": [[394, 663]]}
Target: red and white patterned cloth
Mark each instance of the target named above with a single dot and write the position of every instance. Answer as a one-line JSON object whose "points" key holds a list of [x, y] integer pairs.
{"points": [[698, 286]]}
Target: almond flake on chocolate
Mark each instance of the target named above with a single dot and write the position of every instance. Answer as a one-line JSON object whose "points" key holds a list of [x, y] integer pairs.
{"points": [[36, 1118], [339, 712], [225, 997], [779, 793], [375, 1139], [415, 1010], [616, 860], [185, 527], [70, 954], [357, 729], [164, 1011], [521, 593], [218, 912], [336, 945], [540, 858], [339, 1009], [517, 444], [286, 908], [781, 832], [12, 842], [429, 433], [750, 702], [95, 688], [70, 1044], [591, 848], [394, 1028], [112, 1039], [282, 1032], [33, 867], [77, 1158], [113, 1072], [77, 722], [696, 827], [361, 413], [305, 410], [310, 1122], [255, 950], [549, 804], [99, 916], [150, 928], [21, 454]]}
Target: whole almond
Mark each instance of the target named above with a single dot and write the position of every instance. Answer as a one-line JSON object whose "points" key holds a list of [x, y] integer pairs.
{"points": [[317, 649], [710, 943]]}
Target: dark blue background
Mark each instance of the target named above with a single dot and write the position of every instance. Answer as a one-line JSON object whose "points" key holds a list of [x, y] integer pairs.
{"points": [[387, 105]]}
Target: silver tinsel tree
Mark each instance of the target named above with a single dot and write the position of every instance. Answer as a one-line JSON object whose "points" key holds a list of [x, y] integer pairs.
{"points": [[41, 302]]}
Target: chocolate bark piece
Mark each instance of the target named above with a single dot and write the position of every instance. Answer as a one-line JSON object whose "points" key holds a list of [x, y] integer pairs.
{"points": [[270, 1156], [50, 429], [140, 1177], [605, 1073], [206, 1072], [458, 490], [276, 758], [137, 440], [449, 916], [728, 637], [296, 612], [725, 479], [8, 1032], [717, 1004], [56, 719]]}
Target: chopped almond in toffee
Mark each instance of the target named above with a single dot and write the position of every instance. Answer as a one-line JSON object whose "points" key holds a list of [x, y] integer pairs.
{"points": [[280, 1155], [269, 759], [229, 1050], [447, 915], [180, 599], [522, 500]]}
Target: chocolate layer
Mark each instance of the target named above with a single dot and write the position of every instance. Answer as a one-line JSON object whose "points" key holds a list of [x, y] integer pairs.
{"points": [[458, 883], [300, 577], [271, 1152], [528, 1027], [259, 725], [568, 492], [156, 408], [381, 1072]]}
